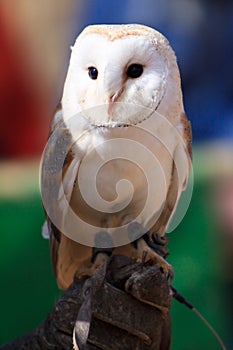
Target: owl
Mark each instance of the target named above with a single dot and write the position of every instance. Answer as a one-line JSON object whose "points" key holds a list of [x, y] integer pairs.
{"points": [[119, 152]]}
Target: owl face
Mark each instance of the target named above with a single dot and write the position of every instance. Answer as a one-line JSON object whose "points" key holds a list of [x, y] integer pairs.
{"points": [[124, 70]]}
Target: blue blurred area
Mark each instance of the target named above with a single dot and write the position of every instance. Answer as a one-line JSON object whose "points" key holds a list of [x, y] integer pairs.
{"points": [[201, 33]]}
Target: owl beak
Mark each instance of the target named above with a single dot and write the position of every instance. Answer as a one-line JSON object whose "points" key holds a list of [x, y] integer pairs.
{"points": [[110, 102]]}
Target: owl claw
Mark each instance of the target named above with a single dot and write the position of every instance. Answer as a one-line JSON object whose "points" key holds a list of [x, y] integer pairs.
{"points": [[167, 270], [147, 254], [144, 254]]}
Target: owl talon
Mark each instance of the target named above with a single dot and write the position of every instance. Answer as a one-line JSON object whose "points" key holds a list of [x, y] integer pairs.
{"points": [[167, 270], [146, 254]]}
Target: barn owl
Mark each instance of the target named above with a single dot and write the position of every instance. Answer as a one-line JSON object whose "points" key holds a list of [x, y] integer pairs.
{"points": [[118, 156]]}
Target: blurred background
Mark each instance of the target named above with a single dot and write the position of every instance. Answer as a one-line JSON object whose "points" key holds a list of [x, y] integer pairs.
{"points": [[35, 40]]}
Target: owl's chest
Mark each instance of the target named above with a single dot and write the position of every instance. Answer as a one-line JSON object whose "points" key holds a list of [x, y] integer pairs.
{"points": [[122, 174]]}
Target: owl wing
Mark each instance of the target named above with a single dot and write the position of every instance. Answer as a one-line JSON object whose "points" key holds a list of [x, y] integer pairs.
{"points": [[182, 158], [67, 255]]}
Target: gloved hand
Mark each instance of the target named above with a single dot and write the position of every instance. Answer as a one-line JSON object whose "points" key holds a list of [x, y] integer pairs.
{"points": [[123, 306]]}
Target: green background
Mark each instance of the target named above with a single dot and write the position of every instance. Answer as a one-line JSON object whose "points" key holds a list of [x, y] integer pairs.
{"points": [[28, 287]]}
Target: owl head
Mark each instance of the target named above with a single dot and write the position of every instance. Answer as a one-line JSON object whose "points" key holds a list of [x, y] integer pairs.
{"points": [[121, 74]]}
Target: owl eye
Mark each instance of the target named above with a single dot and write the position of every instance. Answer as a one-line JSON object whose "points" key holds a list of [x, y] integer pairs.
{"points": [[93, 73], [134, 70]]}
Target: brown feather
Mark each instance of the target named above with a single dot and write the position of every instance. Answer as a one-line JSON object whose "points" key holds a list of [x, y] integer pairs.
{"points": [[187, 133]]}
